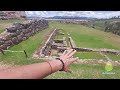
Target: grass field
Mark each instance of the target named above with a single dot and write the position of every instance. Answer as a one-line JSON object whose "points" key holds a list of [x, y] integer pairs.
{"points": [[83, 37], [30, 45], [83, 71], [89, 55], [90, 38]]}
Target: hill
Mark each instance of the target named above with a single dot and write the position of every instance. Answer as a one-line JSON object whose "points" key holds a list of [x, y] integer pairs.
{"points": [[83, 36]]}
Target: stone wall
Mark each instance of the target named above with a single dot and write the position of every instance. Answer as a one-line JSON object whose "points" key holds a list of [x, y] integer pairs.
{"points": [[20, 32], [112, 51], [45, 50], [79, 49], [72, 44]]}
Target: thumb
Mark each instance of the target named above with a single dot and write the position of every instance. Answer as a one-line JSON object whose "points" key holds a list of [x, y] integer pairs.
{"points": [[68, 70]]}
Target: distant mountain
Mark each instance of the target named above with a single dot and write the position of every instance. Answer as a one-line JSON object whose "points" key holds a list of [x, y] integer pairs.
{"points": [[63, 17], [73, 17], [34, 17]]}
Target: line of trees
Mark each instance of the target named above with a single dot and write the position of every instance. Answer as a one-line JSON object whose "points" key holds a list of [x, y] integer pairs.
{"points": [[115, 17]]}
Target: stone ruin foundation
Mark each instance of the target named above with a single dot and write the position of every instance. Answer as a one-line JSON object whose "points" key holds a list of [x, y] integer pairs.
{"points": [[51, 44], [60, 45]]}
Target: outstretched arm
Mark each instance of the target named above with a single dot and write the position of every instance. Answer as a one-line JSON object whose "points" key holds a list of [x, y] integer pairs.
{"points": [[39, 70]]}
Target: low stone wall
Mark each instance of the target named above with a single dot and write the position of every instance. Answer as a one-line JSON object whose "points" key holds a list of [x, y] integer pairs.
{"points": [[20, 32], [72, 44], [45, 50], [112, 51], [60, 44]]}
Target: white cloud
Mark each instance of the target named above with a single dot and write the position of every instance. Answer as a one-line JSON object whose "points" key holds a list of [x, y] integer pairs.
{"points": [[73, 13]]}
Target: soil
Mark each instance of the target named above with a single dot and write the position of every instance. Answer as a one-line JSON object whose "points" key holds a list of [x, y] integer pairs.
{"points": [[6, 66]]}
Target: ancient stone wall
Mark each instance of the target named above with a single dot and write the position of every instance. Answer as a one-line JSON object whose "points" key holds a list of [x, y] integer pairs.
{"points": [[45, 50], [20, 32], [72, 44], [112, 51]]}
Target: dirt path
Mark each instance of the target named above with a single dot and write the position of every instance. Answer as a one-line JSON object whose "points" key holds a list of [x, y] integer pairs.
{"points": [[6, 66]]}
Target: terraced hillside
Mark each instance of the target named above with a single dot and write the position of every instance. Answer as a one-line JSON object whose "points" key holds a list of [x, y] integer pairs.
{"points": [[83, 37], [89, 38]]}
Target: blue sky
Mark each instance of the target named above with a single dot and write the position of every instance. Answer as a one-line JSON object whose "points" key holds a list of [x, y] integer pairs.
{"points": [[96, 14]]}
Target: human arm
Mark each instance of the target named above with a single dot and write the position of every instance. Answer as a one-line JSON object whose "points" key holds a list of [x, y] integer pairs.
{"points": [[39, 70]]}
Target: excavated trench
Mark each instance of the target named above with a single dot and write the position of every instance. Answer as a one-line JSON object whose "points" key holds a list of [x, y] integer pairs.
{"points": [[51, 46]]}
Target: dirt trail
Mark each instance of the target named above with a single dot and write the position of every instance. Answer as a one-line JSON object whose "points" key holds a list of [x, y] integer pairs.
{"points": [[6, 66]]}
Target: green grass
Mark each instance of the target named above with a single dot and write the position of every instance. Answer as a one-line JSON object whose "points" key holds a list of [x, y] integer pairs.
{"points": [[12, 21], [1, 31], [30, 45], [89, 55], [83, 37], [89, 37], [113, 57], [96, 55], [86, 72], [60, 36]]}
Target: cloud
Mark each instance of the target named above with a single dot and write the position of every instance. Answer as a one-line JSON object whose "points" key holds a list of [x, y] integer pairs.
{"points": [[73, 13]]}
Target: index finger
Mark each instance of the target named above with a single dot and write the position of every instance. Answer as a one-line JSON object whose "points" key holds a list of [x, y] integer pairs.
{"points": [[72, 53], [69, 51]]}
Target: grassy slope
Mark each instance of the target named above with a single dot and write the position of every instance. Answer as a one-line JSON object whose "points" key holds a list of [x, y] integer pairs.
{"points": [[89, 55], [99, 24], [79, 71], [86, 72], [89, 37], [1, 30], [30, 45], [11, 21]]}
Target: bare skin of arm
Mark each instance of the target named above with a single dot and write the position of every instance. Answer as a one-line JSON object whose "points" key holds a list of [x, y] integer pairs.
{"points": [[39, 70]]}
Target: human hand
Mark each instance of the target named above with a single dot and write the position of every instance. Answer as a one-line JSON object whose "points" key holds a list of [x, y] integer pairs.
{"points": [[67, 58]]}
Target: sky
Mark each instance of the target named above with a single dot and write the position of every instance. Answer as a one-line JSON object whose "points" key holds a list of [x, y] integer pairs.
{"points": [[94, 14]]}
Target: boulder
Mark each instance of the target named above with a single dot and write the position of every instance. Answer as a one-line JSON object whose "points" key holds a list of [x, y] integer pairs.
{"points": [[15, 40]]}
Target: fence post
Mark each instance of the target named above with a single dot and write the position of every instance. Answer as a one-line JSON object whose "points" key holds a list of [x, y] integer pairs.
{"points": [[2, 51], [25, 54]]}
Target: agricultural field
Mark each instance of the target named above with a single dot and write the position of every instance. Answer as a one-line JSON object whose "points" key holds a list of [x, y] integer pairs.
{"points": [[84, 37]]}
